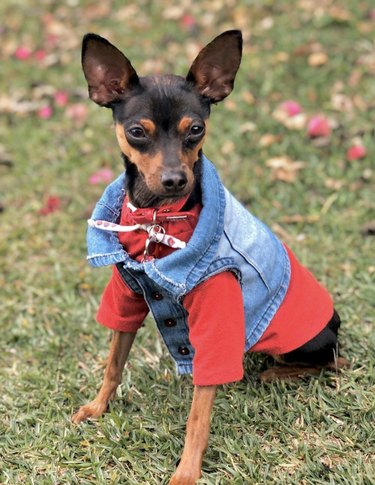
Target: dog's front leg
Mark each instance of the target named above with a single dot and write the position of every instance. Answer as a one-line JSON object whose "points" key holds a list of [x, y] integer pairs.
{"points": [[118, 353], [196, 440]]}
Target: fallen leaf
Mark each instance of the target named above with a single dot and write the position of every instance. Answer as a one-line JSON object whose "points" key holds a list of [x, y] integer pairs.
{"points": [[296, 122], [269, 139], [299, 218], [284, 168], [340, 14], [282, 56], [228, 147], [248, 126], [333, 184], [341, 102], [266, 23], [317, 59], [248, 97]]}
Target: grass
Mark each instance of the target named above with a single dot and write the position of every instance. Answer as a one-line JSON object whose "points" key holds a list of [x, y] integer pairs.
{"points": [[314, 431]]}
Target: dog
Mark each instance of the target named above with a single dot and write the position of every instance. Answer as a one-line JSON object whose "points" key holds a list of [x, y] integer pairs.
{"points": [[217, 281]]}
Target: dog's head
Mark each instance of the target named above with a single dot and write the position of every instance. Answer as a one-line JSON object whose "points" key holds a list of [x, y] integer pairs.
{"points": [[161, 120]]}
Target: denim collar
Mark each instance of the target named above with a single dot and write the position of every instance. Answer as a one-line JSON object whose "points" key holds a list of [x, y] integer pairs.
{"points": [[180, 271]]}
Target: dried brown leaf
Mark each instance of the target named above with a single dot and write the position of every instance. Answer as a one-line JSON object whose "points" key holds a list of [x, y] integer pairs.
{"points": [[299, 218], [284, 168], [269, 139], [317, 59]]}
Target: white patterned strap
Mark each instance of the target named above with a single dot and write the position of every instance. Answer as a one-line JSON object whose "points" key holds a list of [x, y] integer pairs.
{"points": [[155, 232]]}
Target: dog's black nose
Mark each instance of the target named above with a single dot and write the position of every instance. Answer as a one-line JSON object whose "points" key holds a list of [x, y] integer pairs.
{"points": [[174, 181]]}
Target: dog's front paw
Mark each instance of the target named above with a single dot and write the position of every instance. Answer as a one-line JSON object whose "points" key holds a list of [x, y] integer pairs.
{"points": [[185, 478], [93, 410]]}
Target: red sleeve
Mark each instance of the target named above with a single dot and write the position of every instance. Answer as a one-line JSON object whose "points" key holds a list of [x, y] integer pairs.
{"points": [[120, 308], [216, 330]]}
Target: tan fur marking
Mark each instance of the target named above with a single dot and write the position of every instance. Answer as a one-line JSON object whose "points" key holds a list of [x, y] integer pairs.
{"points": [[184, 125], [191, 156], [151, 166], [148, 125]]}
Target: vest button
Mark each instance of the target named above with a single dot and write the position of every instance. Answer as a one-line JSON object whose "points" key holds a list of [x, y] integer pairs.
{"points": [[157, 296], [170, 322], [183, 350]]}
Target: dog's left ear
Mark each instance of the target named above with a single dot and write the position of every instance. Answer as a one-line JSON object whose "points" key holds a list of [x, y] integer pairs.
{"points": [[215, 67]]}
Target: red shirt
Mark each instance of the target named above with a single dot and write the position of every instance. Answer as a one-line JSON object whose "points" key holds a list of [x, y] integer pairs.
{"points": [[216, 314]]}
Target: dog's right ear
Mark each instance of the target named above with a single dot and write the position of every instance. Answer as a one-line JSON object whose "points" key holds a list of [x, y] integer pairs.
{"points": [[108, 72]]}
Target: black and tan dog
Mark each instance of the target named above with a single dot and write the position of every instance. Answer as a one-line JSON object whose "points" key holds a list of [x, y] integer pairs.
{"points": [[160, 124]]}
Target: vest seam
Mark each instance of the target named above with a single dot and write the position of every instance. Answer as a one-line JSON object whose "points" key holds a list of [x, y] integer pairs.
{"points": [[100, 255], [275, 301], [248, 260]]}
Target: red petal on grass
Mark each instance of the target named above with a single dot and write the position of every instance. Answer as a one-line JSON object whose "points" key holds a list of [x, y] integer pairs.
{"points": [[292, 108], [40, 54], [77, 112], [356, 152], [61, 98], [52, 204], [45, 112], [22, 53], [103, 175], [318, 126], [188, 22]]}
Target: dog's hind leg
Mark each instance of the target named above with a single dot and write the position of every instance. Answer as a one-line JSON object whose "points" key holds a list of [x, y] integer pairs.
{"points": [[118, 353], [319, 353]]}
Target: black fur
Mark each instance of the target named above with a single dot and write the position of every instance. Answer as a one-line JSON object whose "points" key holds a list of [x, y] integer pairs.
{"points": [[320, 350]]}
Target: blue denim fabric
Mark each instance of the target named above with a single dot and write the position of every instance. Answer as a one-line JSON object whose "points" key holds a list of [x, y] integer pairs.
{"points": [[227, 237]]}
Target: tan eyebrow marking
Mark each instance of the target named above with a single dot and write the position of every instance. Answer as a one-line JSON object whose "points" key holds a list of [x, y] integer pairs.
{"points": [[148, 125], [184, 124]]}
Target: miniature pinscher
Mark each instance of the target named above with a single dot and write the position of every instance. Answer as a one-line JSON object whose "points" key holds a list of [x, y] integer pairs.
{"points": [[217, 281]]}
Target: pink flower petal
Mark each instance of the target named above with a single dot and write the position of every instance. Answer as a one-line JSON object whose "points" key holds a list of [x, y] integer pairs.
{"points": [[40, 54], [77, 112], [318, 126], [45, 112], [356, 152], [292, 108], [61, 98], [188, 22], [103, 175], [22, 53]]}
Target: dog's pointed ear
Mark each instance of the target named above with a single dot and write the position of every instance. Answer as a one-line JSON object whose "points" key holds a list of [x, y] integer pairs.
{"points": [[108, 72], [215, 67]]}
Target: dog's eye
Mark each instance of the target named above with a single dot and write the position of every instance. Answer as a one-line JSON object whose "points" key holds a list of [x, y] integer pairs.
{"points": [[195, 132], [136, 132]]}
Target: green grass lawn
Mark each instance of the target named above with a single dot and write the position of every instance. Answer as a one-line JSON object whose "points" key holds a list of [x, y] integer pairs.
{"points": [[314, 431]]}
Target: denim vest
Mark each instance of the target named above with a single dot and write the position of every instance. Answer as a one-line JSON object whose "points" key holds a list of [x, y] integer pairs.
{"points": [[226, 238]]}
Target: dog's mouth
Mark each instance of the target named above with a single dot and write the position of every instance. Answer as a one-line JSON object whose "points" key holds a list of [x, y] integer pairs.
{"points": [[171, 194]]}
